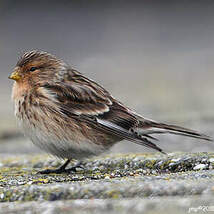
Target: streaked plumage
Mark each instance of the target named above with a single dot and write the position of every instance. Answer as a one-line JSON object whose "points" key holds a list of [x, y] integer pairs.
{"points": [[71, 116]]}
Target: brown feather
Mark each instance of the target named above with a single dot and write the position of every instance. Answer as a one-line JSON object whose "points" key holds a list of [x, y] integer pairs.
{"points": [[78, 116]]}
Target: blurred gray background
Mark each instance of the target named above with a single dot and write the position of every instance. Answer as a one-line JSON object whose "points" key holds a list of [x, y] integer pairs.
{"points": [[154, 56]]}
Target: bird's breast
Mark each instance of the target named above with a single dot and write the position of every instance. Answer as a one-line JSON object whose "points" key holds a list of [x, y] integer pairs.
{"points": [[54, 135]]}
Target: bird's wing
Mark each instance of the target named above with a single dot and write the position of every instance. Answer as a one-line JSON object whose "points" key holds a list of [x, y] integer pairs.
{"points": [[80, 97]]}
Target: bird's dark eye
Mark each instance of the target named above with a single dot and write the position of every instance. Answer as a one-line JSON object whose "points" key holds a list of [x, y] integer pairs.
{"points": [[33, 68]]}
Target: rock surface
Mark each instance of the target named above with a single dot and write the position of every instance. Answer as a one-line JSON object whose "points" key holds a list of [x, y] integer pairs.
{"points": [[178, 182]]}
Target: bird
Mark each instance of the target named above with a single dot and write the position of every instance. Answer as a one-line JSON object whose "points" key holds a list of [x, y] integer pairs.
{"points": [[72, 117]]}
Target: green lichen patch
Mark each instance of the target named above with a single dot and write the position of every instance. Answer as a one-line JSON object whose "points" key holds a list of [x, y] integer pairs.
{"points": [[113, 176], [177, 184]]}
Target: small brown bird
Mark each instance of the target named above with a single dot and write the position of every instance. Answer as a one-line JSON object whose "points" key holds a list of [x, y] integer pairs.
{"points": [[71, 116]]}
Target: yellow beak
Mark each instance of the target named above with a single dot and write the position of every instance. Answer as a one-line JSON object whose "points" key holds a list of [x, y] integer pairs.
{"points": [[15, 76]]}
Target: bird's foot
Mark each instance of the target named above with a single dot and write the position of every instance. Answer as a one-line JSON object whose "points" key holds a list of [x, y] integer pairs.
{"points": [[50, 171], [58, 171], [62, 169]]}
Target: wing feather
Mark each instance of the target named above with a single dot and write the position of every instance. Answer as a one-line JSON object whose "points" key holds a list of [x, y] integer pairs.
{"points": [[78, 96]]}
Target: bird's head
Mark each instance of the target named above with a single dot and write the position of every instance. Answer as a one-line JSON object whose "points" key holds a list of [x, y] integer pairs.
{"points": [[36, 66]]}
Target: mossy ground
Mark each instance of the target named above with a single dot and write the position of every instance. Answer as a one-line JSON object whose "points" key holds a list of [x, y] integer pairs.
{"points": [[108, 177]]}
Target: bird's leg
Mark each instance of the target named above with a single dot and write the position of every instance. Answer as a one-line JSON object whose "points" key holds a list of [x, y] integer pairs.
{"points": [[61, 169]]}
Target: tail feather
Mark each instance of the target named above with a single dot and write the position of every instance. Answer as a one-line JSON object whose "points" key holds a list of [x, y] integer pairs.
{"points": [[147, 143], [148, 127]]}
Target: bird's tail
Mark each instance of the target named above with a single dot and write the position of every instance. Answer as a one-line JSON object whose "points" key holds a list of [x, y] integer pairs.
{"points": [[148, 127]]}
